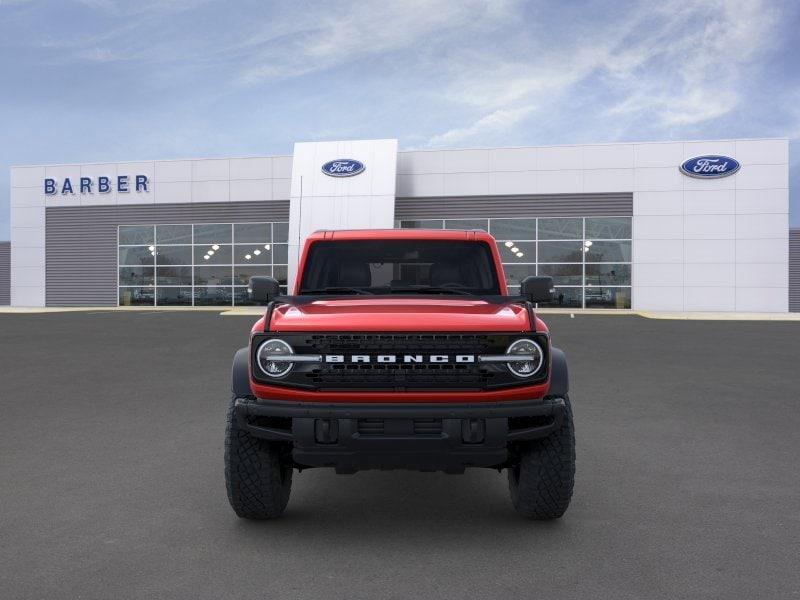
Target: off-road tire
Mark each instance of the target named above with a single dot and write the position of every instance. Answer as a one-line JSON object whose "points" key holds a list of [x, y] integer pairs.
{"points": [[257, 479], [541, 482]]}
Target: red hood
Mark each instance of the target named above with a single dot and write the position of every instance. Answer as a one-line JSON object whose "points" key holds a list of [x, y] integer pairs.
{"points": [[402, 314]]}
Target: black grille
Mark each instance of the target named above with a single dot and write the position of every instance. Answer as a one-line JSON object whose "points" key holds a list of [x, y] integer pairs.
{"points": [[399, 374]]}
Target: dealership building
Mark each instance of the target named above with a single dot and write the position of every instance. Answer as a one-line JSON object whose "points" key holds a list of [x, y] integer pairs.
{"points": [[672, 226]]}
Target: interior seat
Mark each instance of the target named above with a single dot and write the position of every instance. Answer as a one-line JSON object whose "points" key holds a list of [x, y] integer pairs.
{"points": [[353, 274], [442, 273]]}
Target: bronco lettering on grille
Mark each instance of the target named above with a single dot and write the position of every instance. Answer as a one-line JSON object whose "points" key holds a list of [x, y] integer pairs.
{"points": [[404, 358]]}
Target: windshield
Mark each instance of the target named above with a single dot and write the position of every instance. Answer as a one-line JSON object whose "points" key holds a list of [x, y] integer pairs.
{"points": [[399, 266]]}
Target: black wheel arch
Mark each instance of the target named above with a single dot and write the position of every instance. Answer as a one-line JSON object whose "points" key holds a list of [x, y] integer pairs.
{"points": [[240, 375], [559, 374]]}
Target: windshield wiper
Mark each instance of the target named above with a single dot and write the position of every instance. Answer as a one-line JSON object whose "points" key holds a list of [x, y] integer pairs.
{"points": [[432, 289], [338, 290]]}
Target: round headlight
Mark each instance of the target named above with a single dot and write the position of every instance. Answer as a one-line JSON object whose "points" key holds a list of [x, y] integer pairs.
{"points": [[267, 364], [533, 358]]}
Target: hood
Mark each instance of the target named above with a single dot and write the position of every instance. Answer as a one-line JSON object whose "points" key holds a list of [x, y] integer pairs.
{"points": [[400, 314]]}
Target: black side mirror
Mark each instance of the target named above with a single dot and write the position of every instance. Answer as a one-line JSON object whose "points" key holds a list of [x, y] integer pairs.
{"points": [[263, 289], [537, 289]]}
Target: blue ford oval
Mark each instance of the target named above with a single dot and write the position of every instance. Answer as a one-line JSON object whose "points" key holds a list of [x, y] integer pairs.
{"points": [[343, 167], [710, 166]]}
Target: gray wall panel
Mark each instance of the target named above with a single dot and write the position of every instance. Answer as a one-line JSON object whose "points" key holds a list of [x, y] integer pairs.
{"points": [[550, 205], [82, 241], [5, 273], [794, 270]]}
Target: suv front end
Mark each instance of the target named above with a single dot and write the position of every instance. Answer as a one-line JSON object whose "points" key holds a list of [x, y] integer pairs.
{"points": [[425, 374]]}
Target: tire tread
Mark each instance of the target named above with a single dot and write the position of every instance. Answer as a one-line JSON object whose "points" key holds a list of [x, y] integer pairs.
{"points": [[257, 482], [541, 485]]}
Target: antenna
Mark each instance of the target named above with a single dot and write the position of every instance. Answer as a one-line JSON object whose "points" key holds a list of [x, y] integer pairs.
{"points": [[300, 216]]}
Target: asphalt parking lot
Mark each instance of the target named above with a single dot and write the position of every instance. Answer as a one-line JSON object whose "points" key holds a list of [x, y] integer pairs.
{"points": [[111, 444]]}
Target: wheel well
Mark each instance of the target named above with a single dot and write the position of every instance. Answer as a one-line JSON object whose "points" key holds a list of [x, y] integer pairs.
{"points": [[240, 375], [559, 374]]}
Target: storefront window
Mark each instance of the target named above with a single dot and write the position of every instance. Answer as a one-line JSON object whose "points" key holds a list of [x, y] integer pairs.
{"points": [[608, 228], [173, 234], [608, 297], [561, 252], [174, 296], [208, 264], [482, 224], [136, 276], [561, 229], [135, 235], [589, 258], [566, 297], [608, 274], [517, 252], [513, 229], [137, 255], [563, 274], [607, 251]]}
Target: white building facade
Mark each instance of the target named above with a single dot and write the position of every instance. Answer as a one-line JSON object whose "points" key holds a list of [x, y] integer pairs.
{"points": [[616, 225]]}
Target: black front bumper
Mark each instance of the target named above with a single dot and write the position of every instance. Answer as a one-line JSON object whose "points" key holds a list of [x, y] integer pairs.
{"points": [[425, 437]]}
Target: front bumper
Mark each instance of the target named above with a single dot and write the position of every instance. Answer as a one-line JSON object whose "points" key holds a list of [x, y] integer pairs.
{"points": [[419, 436]]}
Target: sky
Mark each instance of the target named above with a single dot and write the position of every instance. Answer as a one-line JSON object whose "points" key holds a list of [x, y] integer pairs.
{"points": [[107, 80]]}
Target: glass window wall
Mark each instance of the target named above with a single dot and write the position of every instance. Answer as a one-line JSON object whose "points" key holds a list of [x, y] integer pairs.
{"points": [[208, 264], [589, 258]]}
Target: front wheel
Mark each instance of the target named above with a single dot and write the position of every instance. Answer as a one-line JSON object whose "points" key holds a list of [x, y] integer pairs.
{"points": [[257, 477], [541, 481]]}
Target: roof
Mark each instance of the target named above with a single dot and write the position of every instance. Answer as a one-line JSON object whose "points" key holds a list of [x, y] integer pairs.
{"points": [[402, 234]]}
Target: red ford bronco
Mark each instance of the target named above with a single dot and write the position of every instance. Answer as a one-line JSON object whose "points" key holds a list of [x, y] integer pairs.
{"points": [[400, 349]]}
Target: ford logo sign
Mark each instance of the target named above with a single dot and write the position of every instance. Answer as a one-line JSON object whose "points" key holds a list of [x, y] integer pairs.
{"points": [[710, 166], [343, 167]]}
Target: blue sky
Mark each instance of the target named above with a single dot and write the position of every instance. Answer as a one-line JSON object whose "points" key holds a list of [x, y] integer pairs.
{"points": [[105, 80]]}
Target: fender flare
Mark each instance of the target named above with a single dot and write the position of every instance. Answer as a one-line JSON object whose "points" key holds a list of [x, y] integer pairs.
{"points": [[559, 374], [240, 374]]}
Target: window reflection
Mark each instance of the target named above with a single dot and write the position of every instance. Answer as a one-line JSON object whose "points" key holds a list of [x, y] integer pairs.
{"points": [[133, 235], [197, 264], [136, 296], [136, 276], [561, 229], [608, 251], [607, 297], [173, 234], [589, 258], [566, 297]]}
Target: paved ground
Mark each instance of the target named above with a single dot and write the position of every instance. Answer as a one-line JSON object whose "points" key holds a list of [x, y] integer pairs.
{"points": [[111, 441]]}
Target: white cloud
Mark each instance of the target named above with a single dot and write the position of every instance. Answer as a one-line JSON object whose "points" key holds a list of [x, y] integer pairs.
{"points": [[303, 41], [497, 121], [677, 64], [698, 74]]}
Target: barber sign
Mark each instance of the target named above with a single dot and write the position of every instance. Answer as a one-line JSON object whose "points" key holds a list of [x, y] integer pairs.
{"points": [[343, 167], [710, 166]]}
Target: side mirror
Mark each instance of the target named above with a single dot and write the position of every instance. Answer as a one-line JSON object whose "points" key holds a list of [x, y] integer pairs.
{"points": [[537, 289], [263, 289]]}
